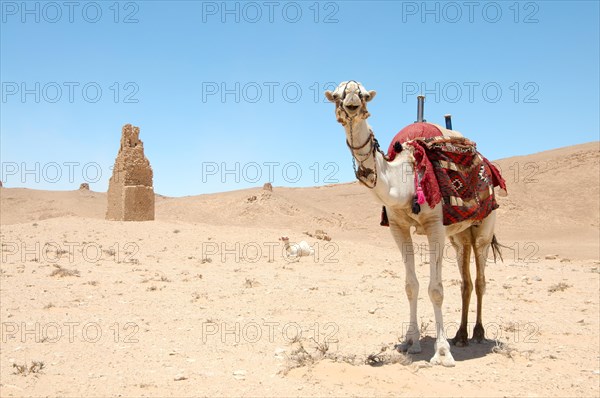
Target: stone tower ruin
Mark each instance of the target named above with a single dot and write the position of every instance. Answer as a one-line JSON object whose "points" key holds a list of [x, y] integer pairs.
{"points": [[130, 189]]}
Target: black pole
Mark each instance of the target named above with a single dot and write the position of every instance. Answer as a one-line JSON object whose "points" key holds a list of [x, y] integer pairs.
{"points": [[420, 108], [448, 118]]}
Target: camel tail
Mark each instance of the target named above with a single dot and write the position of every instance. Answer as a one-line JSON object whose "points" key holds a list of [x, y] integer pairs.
{"points": [[496, 249]]}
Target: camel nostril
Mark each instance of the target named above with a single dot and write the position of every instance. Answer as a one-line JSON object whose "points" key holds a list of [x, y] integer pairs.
{"points": [[352, 107]]}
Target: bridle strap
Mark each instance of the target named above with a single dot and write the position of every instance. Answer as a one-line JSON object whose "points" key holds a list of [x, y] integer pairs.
{"points": [[368, 141]]}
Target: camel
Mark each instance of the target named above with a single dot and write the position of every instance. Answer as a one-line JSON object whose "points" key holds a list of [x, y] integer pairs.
{"points": [[392, 183], [296, 250]]}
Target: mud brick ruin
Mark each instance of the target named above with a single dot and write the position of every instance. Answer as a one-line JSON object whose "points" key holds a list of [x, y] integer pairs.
{"points": [[130, 189]]}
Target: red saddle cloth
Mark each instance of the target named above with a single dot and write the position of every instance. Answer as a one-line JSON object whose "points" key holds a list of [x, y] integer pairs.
{"points": [[452, 171]]}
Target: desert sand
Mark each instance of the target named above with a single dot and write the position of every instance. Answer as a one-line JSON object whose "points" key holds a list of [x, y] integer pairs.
{"points": [[203, 302]]}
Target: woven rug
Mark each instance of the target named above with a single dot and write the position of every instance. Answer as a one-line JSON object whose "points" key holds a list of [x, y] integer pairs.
{"points": [[451, 170]]}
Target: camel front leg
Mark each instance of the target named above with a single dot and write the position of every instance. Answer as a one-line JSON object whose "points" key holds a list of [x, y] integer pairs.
{"points": [[435, 236], [401, 234]]}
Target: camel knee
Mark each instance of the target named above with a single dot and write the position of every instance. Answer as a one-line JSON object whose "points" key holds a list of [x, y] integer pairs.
{"points": [[480, 286], [436, 294], [466, 287], [412, 289]]}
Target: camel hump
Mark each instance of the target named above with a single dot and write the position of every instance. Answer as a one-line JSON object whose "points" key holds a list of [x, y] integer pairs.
{"points": [[411, 132], [418, 130]]}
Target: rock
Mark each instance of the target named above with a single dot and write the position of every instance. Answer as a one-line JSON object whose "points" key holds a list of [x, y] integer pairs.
{"points": [[551, 257], [320, 234], [280, 353], [537, 278], [239, 375], [268, 187], [180, 377], [130, 189], [420, 365], [84, 186]]}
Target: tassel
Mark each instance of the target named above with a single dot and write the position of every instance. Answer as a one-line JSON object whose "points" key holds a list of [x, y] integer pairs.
{"points": [[397, 147], [420, 195], [384, 218], [416, 208]]}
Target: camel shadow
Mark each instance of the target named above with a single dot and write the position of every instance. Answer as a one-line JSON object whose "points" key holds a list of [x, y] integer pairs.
{"points": [[472, 351]]}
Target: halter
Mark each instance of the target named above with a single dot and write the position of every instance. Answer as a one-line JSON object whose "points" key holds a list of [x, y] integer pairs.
{"points": [[362, 173]]}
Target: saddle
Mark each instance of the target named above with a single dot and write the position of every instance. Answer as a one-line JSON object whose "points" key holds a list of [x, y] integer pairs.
{"points": [[449, 169]]}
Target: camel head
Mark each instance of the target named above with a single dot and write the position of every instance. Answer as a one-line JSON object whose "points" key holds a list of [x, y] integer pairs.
{"points": [[350, 100]]}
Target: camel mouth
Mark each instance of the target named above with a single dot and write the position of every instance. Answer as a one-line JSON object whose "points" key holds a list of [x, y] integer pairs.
{"points": [[351, 108]]}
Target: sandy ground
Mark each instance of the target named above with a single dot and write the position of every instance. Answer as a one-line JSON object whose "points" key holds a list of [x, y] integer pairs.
{"points": [[203, 302]]}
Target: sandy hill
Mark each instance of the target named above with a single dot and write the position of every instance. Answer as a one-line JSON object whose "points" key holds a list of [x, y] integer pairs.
{"points": [[551, 194]]}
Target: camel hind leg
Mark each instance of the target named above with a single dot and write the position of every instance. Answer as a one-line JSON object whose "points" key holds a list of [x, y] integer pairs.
{"points": [[483, 238], [462, 243]]}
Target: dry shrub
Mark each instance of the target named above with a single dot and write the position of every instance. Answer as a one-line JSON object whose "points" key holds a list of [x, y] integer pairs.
{"points": [[64, 272], [558, 287]]}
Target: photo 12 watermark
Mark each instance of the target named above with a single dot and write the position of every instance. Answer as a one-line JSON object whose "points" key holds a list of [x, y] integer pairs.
{"points": [[90, 92], [71, 12], [269, 171], [70, 252], [253, 92], [513, 252], [253, 12], [527, 332], [50, 172], [71, 332], [472, 91], [252, 252], [267, 331], [452, 12]]}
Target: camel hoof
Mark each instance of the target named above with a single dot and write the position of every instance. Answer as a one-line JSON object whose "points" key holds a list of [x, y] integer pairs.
{"points": [[402, 347], [408, 347], [442, 355], [478, 333], [461, 339], [414, 349], [445, 360], [448, 362]]}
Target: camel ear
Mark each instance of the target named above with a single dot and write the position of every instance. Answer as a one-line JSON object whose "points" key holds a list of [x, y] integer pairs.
{"points": [[370, 95], [331, 96]]}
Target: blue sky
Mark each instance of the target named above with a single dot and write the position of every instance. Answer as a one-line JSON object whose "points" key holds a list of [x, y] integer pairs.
{"points": [[229, 95]]}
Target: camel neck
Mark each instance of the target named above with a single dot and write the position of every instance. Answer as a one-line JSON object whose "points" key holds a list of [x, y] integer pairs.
{"points": [[362, 144], [360, 140]]}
